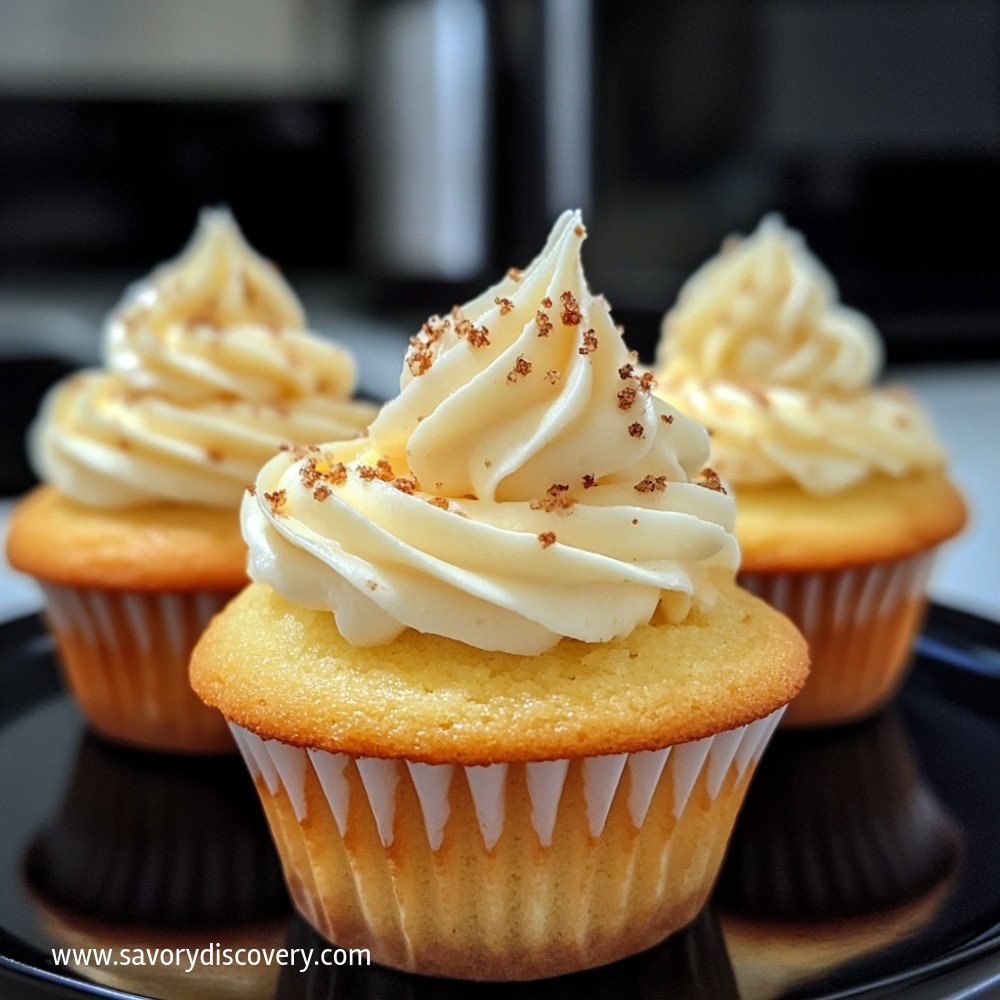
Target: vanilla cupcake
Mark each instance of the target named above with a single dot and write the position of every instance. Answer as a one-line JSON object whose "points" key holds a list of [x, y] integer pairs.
{"points": [[497, 687], [841, 487], [208, 369]]}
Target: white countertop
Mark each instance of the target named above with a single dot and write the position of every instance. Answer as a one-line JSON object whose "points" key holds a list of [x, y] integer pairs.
{"points": [[964, 401]]}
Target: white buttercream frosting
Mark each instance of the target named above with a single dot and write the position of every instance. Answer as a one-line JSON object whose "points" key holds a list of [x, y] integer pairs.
{"points": [[760, 349], [525, 485], [208, 370]]}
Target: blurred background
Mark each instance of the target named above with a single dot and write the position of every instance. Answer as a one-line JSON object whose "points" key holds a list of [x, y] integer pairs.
{"points": [[394, 155], [411, 149]]}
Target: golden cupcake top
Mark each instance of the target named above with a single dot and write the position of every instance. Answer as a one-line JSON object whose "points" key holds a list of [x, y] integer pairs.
{"points": [[760, 348], [524, 486], [207, 368]]}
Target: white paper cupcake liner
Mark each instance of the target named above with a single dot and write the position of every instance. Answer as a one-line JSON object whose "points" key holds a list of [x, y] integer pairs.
{"points": [[859, 623], [283, 767], [503, 871], [126, 656]]}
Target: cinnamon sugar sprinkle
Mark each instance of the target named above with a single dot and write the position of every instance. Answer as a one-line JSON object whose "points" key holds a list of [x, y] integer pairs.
{"points": [[544, 323], [571, 315], [555, 499], [626, 397], [589, 481], [319, 474], [514, 273], [552, 376], [420, 353], [636, 430], [382, 471], [710, 480], [547, 538], [547, 302], [626, 371], [505, 305], [651, 484], [667, 418], [589, 343], [276, 500], [522, 367], [405, 484]]}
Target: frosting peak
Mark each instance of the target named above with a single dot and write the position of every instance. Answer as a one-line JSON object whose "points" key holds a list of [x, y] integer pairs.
{"points": [[765, 311], [208, 369], [525, 484], [760, 349]]}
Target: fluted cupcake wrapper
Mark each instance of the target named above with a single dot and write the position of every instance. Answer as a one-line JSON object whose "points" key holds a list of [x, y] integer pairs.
{"points": [[860, 624], [505, 871], [125, 656]]}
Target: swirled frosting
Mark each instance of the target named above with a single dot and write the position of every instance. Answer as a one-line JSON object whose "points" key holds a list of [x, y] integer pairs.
{"points": [[525, 485], [760, 350], [208, 370]]}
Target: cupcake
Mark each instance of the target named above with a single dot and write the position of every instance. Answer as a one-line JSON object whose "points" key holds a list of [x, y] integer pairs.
{"points": [[841, 488], [153, 854], [841, 850], [494, 680], [134, 536]]}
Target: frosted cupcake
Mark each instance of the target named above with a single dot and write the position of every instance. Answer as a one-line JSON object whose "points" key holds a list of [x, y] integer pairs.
{"points": [[494, 680], [841, 487], [208, 369]]}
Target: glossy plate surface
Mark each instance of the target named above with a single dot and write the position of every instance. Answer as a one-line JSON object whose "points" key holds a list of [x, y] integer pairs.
{"points": [[865, 861]]}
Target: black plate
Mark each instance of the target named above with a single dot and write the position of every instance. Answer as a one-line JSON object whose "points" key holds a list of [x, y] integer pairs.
{"points": [[865, 860]]}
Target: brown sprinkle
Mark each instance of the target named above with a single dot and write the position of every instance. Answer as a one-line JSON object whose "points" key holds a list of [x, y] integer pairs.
{"points": [[626, 371], [667, 418], [214, 455], [646, 382], [547, 538], [382, 471], [710, 480], [580, 230], [635, 520], [589, 481], [252, 489], [505, 305], [547, 302], [321, 493], [521, 368], [636, 429], [552, 376], [651, 484], [571, 315], [371, 585], [626, 398], [554, 499], [514, 274], [589, 343], [276, 500], [405, 484], [544, 323], [438, 502]]}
